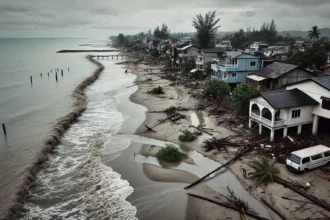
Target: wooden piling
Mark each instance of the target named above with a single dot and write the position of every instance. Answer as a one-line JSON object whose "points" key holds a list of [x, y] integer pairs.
{"points": [[48, 74], [51, 70], [68, 69], [41, 75], [56, 77], [4, 129], [31, 79], [62, 73]]}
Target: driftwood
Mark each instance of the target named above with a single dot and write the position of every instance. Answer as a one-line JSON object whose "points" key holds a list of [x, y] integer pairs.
{"points": [[244, 151], [202, 130], [312, 198], [296, 200], [149, 129], [273, 208], [227, 205]]}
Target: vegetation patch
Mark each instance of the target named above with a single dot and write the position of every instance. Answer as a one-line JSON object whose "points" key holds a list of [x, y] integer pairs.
{"points": [[171, 153], [242, 95], [216, 89], [187, 136], [265, 170], [157, 90]]}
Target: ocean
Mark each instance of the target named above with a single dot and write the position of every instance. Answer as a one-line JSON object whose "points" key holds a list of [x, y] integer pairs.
{"points": [[30, 110]]}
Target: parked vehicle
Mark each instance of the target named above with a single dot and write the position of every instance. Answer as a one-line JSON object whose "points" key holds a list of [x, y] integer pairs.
{"points": [[309, 158]]}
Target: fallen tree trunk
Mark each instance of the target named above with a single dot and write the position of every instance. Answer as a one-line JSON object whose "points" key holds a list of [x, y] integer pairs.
{"points": [[296, 200], [202, 130], [254, 215], [219, 168], [312, 198], [138, 83], [149, 129], [273, 208]]}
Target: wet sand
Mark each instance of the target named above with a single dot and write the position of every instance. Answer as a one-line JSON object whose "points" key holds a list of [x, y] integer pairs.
{"points": [[162, 182]]}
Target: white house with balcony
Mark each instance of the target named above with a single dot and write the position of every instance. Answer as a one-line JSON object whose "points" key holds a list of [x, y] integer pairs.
{"points": [[225, 45], [280, 110], [258, 46], [317, 88], [234, 67], [186, 53], [302, 103], [206, 56]]}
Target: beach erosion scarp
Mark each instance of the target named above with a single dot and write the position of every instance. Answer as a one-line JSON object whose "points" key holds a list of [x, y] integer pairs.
{"points": [[50, 142]]}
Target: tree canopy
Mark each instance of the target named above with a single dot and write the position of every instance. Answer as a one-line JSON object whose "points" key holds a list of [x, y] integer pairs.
{"points": [[241, 96], [314, 57], [163, 32], [206, 28], [315, 33]]}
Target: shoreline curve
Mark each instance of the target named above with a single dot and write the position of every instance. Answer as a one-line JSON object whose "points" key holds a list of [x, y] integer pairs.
{"points": [[51, 141]]}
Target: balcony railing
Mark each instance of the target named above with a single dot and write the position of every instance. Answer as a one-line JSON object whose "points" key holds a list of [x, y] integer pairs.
{"points": [[215, 67], [229, 65], [266, 121]]}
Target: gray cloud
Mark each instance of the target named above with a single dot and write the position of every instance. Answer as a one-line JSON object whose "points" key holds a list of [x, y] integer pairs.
{"points": [[102, 18]]}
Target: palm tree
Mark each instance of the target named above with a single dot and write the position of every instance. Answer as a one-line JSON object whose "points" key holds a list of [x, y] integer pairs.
{"points": [[206, 29], [264, 171], [314, 33]]}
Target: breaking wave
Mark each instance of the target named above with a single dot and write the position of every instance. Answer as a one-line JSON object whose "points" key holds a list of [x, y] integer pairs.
{"points": [[75, 184]]}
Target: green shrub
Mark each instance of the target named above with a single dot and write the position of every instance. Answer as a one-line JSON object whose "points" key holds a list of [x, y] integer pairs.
{"points": [[216, 89], [242, 95], [265, 170], [187, 136], [171, 154], [157, 90]]}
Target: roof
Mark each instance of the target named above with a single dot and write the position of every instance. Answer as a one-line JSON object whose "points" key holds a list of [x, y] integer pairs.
{"points": [[185, 47], [276, 70], [311, 151], [212, 50], [288, 98], [256, 78], [323, 81], [276, 47], [193, 70], [234, 53]]}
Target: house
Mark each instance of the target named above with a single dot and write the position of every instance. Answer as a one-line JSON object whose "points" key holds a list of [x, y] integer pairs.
{"points": [[280, 110], [302, 103], [234, 68], [225, 45], [186, 53], [277, 75], [206, 56], [258, 46], [319, 89], [276, 51]]}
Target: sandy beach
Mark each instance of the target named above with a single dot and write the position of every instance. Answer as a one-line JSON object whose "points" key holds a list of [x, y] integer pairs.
{"points": [[178, 95]]}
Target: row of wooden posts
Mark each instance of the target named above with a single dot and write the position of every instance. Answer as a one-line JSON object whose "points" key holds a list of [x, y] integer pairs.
{"points": [[56, 71], [112, 56]]}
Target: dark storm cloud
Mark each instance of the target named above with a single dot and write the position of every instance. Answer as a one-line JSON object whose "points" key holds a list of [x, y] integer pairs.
{"points": [[104, 17]]}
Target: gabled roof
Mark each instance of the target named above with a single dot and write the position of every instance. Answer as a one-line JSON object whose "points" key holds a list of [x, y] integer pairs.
{"points": [[276, 70], [288, 98], [323, 81], [234, 54], [212, 50]]}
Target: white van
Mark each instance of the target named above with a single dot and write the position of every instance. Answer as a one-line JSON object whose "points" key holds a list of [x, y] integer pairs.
{"points": [[309, 158]]}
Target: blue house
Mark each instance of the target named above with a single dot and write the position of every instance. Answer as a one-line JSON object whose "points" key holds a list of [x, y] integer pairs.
{"points": [[234, 67]]}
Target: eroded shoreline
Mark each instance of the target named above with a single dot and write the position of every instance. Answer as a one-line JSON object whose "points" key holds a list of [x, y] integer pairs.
{"points": [[50, 142]]}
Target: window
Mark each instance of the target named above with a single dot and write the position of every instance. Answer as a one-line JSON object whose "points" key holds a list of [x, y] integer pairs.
{"points": [[306, 160], [294, 158], [326, 104], [233, 75], [316, 157], [296, 113], [225, 75], [327, 154], [252, 63]]}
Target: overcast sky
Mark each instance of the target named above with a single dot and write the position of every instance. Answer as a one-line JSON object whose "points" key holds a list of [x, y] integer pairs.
{"points": [[102, 18]]}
